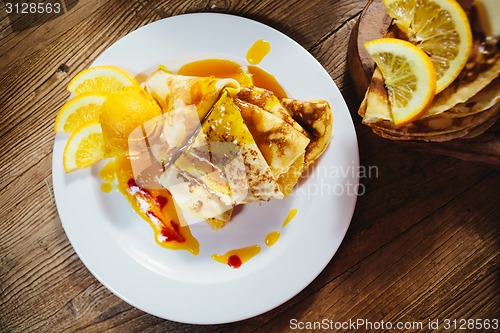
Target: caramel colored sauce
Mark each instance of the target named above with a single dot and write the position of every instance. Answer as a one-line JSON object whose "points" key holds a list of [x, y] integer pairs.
{"points": [[222, 68], [263, 79], [219, 68], [290, 216], [107, 173], [272, 238], [258, 51], [158, 208], [235, 258], [106, 187]]}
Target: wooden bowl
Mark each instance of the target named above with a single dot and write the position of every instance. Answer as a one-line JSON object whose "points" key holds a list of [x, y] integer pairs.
{"points": [[373, 23]]}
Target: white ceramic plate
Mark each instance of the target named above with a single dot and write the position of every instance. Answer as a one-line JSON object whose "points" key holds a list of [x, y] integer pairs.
{"points": [[117, 246]]}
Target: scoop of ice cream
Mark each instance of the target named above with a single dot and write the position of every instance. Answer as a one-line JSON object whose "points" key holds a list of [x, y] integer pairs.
{"points": [[122, 112]]}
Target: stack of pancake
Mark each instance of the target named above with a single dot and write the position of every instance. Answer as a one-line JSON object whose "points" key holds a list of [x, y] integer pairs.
{"points": [[221, 143], [465, 109]]}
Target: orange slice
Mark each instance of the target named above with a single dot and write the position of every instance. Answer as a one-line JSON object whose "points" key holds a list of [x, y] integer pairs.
{"points": [[78, 111], [409, 77], [440, 28], [101, 79], [84, 147]]}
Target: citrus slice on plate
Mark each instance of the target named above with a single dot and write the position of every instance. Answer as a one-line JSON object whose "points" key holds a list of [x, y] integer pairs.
{"points": [[409, 77], [84, 147], [101, 79], [80, 110], [440, 28]]}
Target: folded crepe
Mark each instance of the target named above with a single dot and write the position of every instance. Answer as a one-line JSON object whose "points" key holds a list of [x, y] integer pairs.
{"points": [[226, 163], [466, 127], [314, 119], [456, 122], [376, 108], [229, 146], [282, 146], [185, 102], [175, 91], [268, 101]]}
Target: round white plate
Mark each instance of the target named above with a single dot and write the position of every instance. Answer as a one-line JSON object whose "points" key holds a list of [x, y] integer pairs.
{"points": [[117, 246]]}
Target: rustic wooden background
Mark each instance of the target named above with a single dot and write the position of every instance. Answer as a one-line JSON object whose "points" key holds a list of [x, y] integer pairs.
{"points": [[423, 243]]}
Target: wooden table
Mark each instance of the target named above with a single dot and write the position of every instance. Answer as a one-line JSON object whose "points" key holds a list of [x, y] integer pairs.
{"points": [[423, 244]]}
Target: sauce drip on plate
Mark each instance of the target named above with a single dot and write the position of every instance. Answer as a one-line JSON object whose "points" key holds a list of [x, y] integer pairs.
{"points": [[263, 79], [219, 68], [157, 207], [290, 216], [272, 238], [235, 258], [107, 174], [258, 51], [106, 187], [222, 68]]}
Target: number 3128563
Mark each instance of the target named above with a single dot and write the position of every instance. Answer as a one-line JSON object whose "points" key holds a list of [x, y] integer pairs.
{"points": [[33, 8]]}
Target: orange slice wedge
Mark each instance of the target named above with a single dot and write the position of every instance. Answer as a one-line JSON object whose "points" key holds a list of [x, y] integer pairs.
{"points": [[101, 79], [409, 77], [84, 147], [78, 111], [440, 28]]}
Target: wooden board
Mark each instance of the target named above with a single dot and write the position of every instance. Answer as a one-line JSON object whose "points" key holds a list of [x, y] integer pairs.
{"points": [[372, 24]]}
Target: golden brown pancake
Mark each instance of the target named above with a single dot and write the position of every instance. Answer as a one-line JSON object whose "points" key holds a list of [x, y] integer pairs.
{"points": [[456, 121], [226, 164], [468, 126], [220, 151], [185, 102], [280, 143], [317, 119], [175, 91], [314, 119], [269, 102]]}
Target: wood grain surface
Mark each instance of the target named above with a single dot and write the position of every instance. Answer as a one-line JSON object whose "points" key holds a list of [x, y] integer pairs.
{"points": [[423, 243]]}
